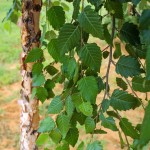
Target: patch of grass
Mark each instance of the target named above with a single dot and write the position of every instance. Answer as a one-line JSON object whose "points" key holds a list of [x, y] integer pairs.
{"points": [[2, 112], [10, 47], [14, 95], [16, 141], [8, 76]]}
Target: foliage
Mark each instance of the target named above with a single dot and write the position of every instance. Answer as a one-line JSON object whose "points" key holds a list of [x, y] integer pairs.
{"points": [[79, 60]]}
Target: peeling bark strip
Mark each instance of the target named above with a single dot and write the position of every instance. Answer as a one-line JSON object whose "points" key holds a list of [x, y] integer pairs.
{"points": [[30, 38]]}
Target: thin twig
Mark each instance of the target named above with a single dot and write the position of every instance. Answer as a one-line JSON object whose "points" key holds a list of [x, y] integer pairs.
{"points": [[105, 48], [127, 141], [110, 57], [135, 93], [120, 118], [108, 68], [146, 98], [105, 15]]}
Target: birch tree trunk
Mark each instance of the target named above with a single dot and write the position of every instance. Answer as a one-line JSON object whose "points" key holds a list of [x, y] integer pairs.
{"points": [[30, 38]]}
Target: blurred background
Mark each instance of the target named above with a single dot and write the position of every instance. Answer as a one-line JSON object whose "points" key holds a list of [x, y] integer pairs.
{"points": [[10, 49]]}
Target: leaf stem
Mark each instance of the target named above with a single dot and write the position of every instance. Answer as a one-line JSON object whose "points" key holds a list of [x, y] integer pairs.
{"points": [[135, 93], [105, 48], [123, 132]]}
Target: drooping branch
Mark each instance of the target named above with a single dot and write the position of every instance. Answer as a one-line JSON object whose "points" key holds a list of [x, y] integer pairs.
{"points": [[108, 68], [110, 57]]}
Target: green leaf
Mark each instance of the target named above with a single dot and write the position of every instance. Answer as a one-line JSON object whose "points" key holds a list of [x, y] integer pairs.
{"points": [[101, 85], [144, 35], [81, 146], [56, 16], [107, 35], [89, 125], [128, 66], [130, 33], [54, 50], [77, 100], [121, 100], [76, 6], [143, 4], [137, 51], [55, 136], [91, 56], [34, 55], [128, 129], [105, 54], [105, 104], [113, 114], [49, 35], [49, 85], [96, 145], [42, 139], [141, 84], [144, 19], [55, 106], [86, 108], [97, 3], [114, 8], [148, 63], [76, 73], [69, 106], [108, 122], [117, 52], [68, 38], [41, 94], [38, 80], [46, 125], [37, 68], [90, 22], [64, 146], [145, 130], [10, 12], [135, 2], [72, 136], [80, 117], [63, 124], [121, 83], [88, 88], [65, 6], [69, 67], [51, 70]]}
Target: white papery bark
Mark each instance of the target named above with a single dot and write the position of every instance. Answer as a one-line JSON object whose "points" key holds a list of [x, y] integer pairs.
{"points": [[30, 38]]}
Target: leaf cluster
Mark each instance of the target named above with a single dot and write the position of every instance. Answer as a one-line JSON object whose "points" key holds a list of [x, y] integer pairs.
{"points": [[71, 43]]}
